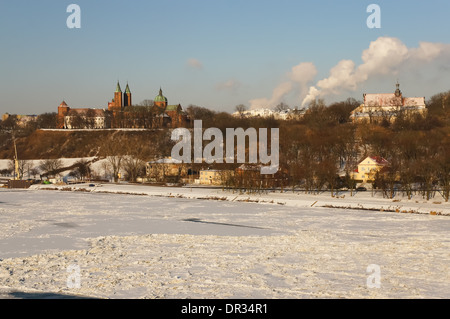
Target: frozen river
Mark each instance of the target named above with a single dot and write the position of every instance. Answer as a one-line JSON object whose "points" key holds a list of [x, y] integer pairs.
{"points": [[138, 246]]}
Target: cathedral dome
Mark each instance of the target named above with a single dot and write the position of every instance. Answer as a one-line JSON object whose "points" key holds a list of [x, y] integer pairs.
{"points": [[160, 97]]}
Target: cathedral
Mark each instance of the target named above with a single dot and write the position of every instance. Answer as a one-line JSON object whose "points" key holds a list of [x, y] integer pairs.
{"points": [[167, 115], [120, 99], [121, 114]]}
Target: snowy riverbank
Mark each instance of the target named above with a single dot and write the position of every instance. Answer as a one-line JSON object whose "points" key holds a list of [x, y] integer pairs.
{"points": [[357, 200], [204, 243]]}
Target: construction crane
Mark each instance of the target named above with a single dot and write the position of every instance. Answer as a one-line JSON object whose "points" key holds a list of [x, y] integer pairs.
{"points": [[17, 175]]}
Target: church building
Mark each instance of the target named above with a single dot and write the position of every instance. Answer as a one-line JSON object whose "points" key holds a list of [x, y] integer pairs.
{"points": [[173, 115], [120, 99], [120, 114], [387, 106]]}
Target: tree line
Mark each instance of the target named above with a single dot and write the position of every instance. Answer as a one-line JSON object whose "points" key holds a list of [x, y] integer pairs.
{"points": [[319, 150]]}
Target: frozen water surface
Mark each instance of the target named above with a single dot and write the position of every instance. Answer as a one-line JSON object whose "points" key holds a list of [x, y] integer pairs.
{"points": [[156, 246]]}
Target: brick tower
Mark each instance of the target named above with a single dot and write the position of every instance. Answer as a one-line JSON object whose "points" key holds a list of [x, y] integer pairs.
{"points": [[127, 97], [63, 110], [118, 102]]}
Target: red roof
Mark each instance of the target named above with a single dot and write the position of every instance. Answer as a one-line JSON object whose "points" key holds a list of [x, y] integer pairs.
{"points": [[97, 112], [390, 99], [379, 160]]}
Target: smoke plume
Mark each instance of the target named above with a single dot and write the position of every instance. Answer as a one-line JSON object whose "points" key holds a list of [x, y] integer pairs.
{"points": [[297, 80], [384, 56]]}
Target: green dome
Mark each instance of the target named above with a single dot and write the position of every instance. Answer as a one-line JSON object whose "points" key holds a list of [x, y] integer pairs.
{"points": [[160, 97]]}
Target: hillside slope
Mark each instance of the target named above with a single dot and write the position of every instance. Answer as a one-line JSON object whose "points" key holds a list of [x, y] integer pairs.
{"points": [[44, 144]]}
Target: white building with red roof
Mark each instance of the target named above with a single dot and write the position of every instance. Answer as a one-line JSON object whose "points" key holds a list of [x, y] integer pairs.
{"points": [[379, 106]]}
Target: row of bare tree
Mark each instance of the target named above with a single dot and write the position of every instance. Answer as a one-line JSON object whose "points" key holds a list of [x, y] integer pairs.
{"points": [[321, 149]]}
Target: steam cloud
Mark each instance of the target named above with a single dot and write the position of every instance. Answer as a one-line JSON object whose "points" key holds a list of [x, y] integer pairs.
{"points": [[385, 56], [298, 78]]}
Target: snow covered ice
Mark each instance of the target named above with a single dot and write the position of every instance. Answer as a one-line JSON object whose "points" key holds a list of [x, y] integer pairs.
{"points": [[169, 243]]}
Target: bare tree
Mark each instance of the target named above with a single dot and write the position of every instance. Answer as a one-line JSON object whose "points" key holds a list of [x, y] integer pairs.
{"points": [[241, 108], [22, 166], [106, 170], [134, 161], [47, 120], [113, 150], [34, 172], [76, 121], [134, 167], [10, 123], [83, 169], [148, 103], [50, 166], [89, 118], [281, 107]]}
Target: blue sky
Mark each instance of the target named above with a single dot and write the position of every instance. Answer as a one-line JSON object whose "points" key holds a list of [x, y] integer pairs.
{"points": [[215, 53]]}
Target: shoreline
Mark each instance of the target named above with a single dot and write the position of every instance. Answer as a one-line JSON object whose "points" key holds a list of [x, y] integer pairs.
{"points": [[359, 201]]}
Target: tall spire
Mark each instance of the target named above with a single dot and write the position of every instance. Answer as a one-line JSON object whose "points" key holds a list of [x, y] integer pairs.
{"points": [[397, 91], [127, 96], [118, 89]]}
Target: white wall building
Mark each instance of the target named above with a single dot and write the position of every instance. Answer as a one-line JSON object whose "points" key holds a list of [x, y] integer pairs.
{"points": [[387, 106], [97, 116], [265, 113]]}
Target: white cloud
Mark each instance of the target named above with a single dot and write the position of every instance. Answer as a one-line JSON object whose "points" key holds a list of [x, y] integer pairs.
{"points": [[230, 85], [427, 51], [194, 63]]}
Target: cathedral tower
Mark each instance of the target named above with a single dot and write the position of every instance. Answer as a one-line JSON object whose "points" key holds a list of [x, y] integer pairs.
{"points": [[127, 97], [118, 102]]}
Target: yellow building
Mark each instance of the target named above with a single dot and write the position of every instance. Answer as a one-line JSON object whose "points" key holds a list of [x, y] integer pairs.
{"points": [[21, 120], [368, 167], [165, 169], [214, 177]]}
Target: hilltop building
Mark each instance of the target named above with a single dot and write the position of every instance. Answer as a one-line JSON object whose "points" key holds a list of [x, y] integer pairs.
{"points": [[86, 118], [119, 114], [171, 115], [380, 106], [120, 99], [22, 120], [267, 113]]}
